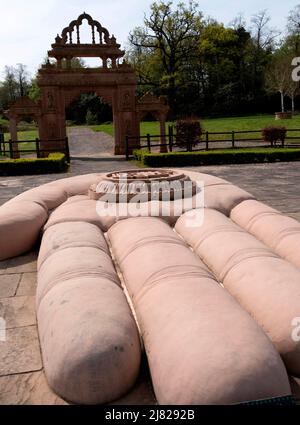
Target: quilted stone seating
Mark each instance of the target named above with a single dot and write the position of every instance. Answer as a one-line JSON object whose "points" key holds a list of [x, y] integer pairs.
{"points": [[89, 339], [279, 232], [215, 320], [266, 285], [194, 332], [25, 215]]}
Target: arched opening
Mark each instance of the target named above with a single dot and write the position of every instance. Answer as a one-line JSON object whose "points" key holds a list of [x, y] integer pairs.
{"points": [[90, 126], [27, 128]]}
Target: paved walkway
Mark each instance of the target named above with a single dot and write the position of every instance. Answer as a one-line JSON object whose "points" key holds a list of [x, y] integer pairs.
{"points": [[22, 379], [84, 142]]}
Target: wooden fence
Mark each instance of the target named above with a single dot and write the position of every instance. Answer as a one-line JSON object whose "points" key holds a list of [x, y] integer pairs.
{"points": [[6, 148], [210, 140]]}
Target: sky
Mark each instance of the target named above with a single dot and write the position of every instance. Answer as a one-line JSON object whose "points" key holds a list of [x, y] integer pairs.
{"points": [[28, 27]]}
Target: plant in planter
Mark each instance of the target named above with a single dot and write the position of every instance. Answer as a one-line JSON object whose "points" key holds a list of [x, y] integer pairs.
{"points": [[274, 134], [188, 133]]}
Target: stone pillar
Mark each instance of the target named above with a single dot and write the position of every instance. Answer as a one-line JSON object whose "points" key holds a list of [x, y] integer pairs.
{"points": [[52, 129], [125, 116], [162, 122], [14, 136]]}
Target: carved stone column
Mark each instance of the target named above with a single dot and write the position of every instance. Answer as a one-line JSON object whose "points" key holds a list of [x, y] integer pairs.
{"points": [[13, 129], [127, 121], [162, 123]]}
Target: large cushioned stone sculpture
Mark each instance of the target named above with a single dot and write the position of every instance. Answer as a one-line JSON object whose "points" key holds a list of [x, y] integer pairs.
{"points": [[26, 227], [202, 344], [202, 347], [89, 339], [20, 224], [22, 218], [267, 286], [279, 232]]}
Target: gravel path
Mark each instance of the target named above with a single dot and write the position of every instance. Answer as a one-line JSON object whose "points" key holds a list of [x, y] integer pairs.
{"points": [[84, 142]]}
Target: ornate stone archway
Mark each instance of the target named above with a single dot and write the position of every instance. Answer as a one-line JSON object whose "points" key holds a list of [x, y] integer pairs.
{"points": [[115, 83], [24, 107]]}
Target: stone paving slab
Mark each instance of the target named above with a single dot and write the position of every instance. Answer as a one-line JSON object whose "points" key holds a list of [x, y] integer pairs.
{"points": [[27, 388], [22, 264], [28, 284], [9, 285], [20, 352], [18, 311]]}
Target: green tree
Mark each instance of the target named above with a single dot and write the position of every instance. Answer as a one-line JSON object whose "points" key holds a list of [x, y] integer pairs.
{"points": [[279, 76], [15, 84], [167, 41]]}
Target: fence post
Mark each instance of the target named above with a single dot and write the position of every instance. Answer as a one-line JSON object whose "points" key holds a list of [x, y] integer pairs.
{"points": [[170, 138], [233, 140], [126, 148], [149, 142], [37, 147], [67, 150], [11, 152], [206, 140], [2, 147]]}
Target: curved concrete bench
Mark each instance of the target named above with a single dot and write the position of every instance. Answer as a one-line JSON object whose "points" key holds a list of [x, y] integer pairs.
{"points": [[89, 339], [279, 232], [202, 347], [267, 286]]}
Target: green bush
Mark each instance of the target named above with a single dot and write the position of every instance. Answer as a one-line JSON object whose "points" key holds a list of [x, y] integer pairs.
{"points": [[217, 157], [274, 134], [55, 163], [91, 119], [188, 133]]}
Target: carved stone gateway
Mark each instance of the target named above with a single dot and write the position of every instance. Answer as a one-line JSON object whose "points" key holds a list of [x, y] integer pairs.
{"points": [[114, 82]]}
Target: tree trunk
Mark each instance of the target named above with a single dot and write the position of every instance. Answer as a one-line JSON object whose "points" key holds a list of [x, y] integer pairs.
{"points": [[171, 96], [293, 104], [282, 101]]}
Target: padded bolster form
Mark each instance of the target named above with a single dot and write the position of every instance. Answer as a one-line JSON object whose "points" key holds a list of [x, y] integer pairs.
{"points": [[202, 347], [46, 196], [24, 215], [267, 286], [20, 225], [219, 194], [84, 210], [279, 232], [89, 338], [77, 185]]}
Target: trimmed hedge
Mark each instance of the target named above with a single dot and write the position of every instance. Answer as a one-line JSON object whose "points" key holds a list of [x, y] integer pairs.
{"points": [[55, 163], [217, 157]]}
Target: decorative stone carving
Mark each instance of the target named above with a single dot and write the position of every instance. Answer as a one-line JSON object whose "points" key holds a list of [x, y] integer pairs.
{"points": [[126, 184], [59, 86]]}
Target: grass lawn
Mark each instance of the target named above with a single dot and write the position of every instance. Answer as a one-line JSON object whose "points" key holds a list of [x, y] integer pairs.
{"points": [[24, 135], [253, 122]]}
